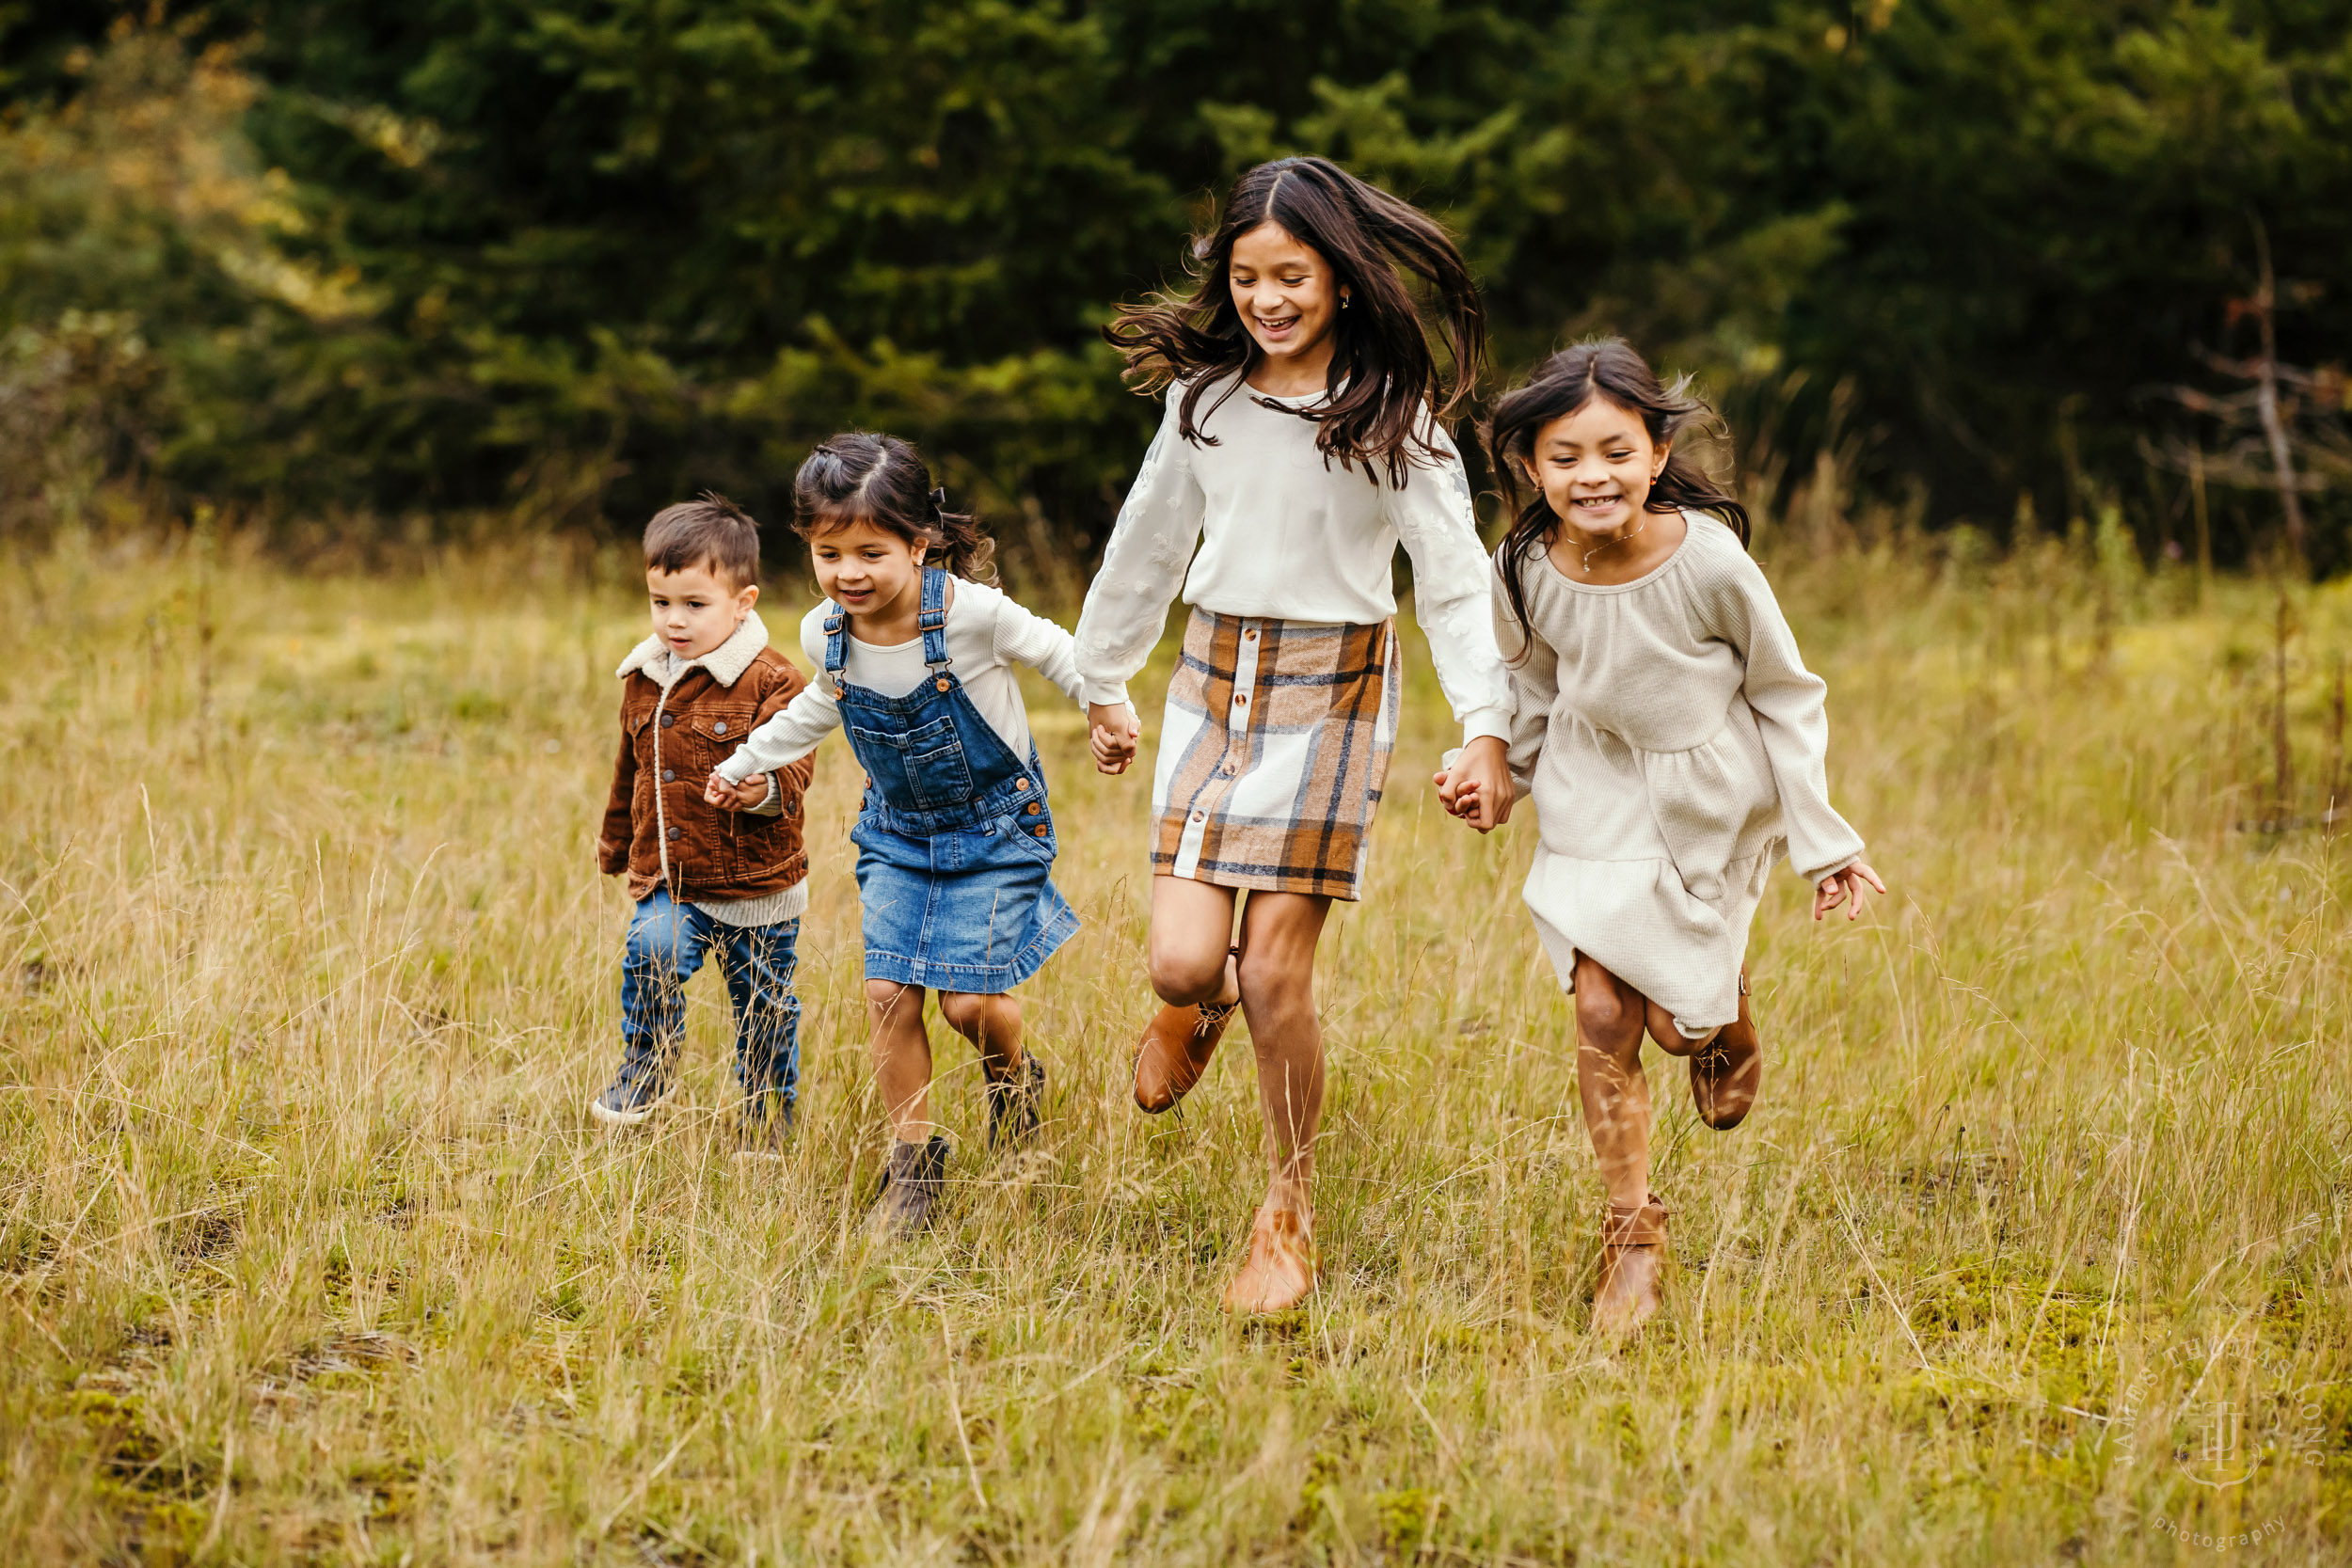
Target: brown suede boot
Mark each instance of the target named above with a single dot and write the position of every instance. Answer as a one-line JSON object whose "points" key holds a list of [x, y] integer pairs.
{"points": [[1281, 1267], [1632, 1257], [1727, 1070], [1175, 1052]]}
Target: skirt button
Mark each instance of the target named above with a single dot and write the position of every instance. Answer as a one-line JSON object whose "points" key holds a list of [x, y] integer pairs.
{"points": [[1201, 816]]}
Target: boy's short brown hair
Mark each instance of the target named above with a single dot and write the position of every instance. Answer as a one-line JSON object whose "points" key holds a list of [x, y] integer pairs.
{"points": [[709, 531]]}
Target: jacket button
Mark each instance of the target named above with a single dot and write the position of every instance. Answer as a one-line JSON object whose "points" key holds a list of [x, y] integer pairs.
{"points": [[1035, 808], [673, 832], [668, 720], [1039, 832], [1020, 784], [719, 727], [669, 775]]}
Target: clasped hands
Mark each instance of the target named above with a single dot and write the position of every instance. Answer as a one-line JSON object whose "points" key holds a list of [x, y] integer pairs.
{"points": [[1475, 785], [742, 796]]}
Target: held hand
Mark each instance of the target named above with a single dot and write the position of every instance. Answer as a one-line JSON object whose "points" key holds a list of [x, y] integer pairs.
{"points": [[1478, 788], [735, 797], [1839, 886], [1113, 731]]}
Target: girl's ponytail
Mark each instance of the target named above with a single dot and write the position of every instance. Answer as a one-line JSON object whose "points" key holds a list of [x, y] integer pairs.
{"points": [[1606, 368], [859, 476], [959, 545]]}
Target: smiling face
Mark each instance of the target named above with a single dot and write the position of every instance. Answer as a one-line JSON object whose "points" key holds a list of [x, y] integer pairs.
{"points": [[1595, 466], [694, 610], [1288, 296], [870, 572]]}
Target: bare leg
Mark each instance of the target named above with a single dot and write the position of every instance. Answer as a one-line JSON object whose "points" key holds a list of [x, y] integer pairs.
{"points": [[1673, 1041], [1609, 1017], [902, 1057], [990, 1022], [1279, 931], [1192, 932]]}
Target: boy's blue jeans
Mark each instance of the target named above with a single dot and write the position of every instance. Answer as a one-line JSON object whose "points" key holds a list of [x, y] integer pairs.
{"points": [[667, 943]]}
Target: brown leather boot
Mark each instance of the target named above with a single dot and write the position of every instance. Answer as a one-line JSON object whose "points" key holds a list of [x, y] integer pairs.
{"points": [[1175, 1052], [1632, 1257], [1281, 1267], [1727, 1070]]}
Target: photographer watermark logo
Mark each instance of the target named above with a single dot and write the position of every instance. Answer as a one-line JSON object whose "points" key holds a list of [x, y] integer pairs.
{"points": [[2218, 1413]]}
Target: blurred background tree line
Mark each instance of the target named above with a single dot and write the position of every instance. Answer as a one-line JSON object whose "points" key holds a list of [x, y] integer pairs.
{"points": [[384, 268]]}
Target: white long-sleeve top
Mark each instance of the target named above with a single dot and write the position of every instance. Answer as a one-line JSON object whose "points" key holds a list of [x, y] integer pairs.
{"points": [[988, 634], [1282, 535], [1674, 743]]}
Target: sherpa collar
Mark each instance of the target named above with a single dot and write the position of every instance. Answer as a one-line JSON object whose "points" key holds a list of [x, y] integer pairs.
{"points": [[727, 662]]}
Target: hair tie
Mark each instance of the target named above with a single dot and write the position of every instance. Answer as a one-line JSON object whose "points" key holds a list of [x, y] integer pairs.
{"points": [[939, 500]]}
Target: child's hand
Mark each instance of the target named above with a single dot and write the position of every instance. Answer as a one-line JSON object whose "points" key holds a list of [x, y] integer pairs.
{"points": [[1113, 730], [1476, 787], [735, 797], [1838, 886]]}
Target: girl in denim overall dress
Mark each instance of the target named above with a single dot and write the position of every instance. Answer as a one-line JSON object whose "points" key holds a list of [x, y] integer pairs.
{"points": [[955, 834]]}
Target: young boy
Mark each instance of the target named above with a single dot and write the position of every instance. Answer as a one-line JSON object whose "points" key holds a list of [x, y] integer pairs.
{"points": [[701, 878]]}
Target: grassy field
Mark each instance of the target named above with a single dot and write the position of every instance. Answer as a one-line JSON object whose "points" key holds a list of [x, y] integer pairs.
{"points": [[2035, 1252]]}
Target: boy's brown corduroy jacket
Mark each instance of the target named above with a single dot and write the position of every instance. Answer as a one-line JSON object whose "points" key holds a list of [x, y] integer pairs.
{"points": [[657, 824]]}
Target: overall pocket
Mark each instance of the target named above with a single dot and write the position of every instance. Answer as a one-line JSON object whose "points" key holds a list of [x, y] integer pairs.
{"points": [[923, 766]]}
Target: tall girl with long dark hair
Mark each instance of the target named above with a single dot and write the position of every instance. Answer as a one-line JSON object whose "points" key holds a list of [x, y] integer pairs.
{"points": [[1674, 744], [1303, 441]]}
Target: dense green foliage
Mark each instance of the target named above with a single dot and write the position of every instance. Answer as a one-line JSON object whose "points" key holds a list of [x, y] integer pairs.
{"points": [[580, 256]]}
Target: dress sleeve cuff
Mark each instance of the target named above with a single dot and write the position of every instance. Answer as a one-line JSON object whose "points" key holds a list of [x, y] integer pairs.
{"points": [[1102, 694], [1815, 878], [1495, 721]]}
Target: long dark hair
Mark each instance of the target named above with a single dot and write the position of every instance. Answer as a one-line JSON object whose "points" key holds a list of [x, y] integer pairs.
{"points": [[883, 480], [1382, 356], [1604, 368]]}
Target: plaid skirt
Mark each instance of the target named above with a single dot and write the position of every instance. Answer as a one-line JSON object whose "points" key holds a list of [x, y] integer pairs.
{"points": [[1272, 753]]}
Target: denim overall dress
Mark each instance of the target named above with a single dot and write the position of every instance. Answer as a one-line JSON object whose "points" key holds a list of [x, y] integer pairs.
{"points": [[955, 837]]}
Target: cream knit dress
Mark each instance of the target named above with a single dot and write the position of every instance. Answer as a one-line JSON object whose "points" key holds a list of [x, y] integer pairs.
{"points": [[1673, 742]]}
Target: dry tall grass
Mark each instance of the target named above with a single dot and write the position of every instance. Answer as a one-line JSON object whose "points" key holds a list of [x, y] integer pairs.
{"points": [[310, 1252]]}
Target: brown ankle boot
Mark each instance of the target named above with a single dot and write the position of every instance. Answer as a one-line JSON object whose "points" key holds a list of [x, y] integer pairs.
{"points": [[1632, 1257], [1727, 1070], [1281, 1267], [1175, 1052]]}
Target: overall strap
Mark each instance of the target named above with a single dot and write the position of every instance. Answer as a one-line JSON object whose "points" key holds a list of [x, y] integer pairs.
{"points": [[933, 619], [837, 650]]}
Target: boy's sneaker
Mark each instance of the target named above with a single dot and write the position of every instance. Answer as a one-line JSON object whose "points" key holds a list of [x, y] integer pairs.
{"points": [[764, 1125], [639, 1088], [911, 1184], [1015, 1103]]}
